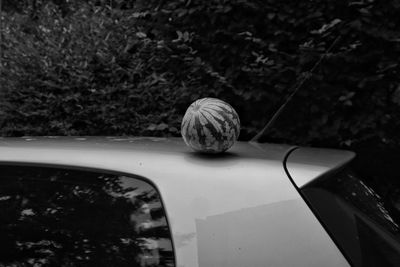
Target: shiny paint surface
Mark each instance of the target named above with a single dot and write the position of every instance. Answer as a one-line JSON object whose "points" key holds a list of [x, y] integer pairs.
{"points": [[307, 164], [235, 209]]}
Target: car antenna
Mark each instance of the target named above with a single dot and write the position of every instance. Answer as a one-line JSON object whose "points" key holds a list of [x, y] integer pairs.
{"points": [[294, 91]]}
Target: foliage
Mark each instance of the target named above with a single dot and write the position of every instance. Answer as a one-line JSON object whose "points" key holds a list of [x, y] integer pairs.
{"points": [[78, 75], [132, 67]]}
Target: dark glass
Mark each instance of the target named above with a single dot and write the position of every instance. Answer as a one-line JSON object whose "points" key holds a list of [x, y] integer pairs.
{"points": [[358, 219], [64, 217]]}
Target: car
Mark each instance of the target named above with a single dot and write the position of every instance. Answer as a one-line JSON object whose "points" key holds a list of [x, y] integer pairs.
{"points": [[146, 201]]}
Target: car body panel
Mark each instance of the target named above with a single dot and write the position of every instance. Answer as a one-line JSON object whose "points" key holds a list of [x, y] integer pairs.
{"points": [[234, 209], [307, 164]]}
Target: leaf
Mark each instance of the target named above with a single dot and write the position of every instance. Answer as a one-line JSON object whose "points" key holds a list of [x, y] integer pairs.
{"points": [[161, 127], [152, 127], [327, 26], [141, 35], [396, 96]]}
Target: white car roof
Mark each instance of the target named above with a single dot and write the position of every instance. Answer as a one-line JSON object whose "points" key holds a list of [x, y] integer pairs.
{"points": [[235, 209]]}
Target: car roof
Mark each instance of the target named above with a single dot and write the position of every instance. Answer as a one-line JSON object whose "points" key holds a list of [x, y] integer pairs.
{"points": [[208, 198], [303, 164], [117, 153], [139, 145], [322, 159]]}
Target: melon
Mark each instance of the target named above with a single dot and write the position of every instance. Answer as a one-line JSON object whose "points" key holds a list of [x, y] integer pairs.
{"points": [[210, 125]]}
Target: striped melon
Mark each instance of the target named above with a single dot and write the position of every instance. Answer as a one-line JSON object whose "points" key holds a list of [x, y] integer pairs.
{"points": [[210, 125]]}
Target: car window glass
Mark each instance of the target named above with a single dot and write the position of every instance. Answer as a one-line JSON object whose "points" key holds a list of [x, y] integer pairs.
{"points": [[363, 224], [64, 217]]}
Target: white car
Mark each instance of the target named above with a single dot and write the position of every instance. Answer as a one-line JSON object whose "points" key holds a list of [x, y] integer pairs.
{"points": [[109, 201]]}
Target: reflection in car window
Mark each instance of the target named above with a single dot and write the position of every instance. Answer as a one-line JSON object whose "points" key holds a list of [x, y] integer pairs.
{"points": [[359, 220], [62, 217]]}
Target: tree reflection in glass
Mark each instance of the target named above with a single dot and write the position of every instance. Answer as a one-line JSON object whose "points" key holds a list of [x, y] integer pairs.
{"points": [[62, 217]]}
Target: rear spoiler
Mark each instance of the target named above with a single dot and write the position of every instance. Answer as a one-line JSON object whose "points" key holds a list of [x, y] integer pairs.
{"points": [[305, 165]]}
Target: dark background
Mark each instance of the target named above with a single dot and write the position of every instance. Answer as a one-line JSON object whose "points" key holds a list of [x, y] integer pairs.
{"points": [[120, 67]]}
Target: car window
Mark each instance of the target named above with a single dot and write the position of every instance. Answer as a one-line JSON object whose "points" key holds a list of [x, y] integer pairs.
{"points": [[363, 224], [64, 217]]}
